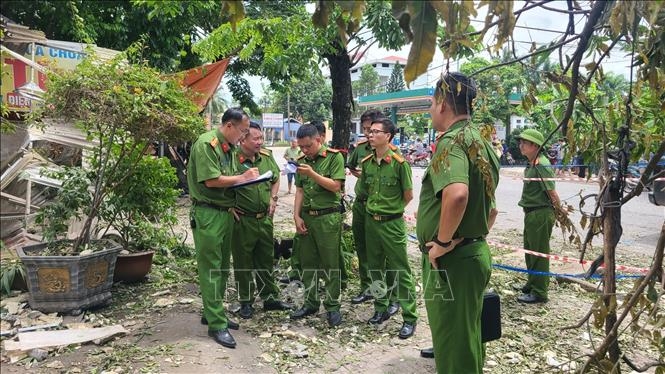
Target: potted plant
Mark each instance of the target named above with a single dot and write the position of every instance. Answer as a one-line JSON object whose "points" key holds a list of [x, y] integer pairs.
{"points": [[138, 213], [122, 109]]}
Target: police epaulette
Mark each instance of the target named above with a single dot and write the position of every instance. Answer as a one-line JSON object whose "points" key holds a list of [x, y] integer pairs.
{"points": [[398, 158], [393, 147], [301, 157], [363, 141], [265, 151], [366, 158], [214, 142], [333, 150]]}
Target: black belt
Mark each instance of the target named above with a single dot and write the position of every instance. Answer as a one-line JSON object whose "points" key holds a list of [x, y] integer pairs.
{"points": [[466, 241], [251, 214], [209, 205], [321, 212], [533, 209], [385, 217]]}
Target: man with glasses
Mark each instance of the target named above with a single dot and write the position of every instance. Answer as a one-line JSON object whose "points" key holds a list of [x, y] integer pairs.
{"points": [[319, 222], [253, 229], [386, 178], [212, 169], [362, 150], [455, 213]]}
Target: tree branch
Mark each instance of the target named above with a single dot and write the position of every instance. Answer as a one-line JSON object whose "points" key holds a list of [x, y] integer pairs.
{"points": [[605, 54], [550, 48], [644, 179], [596, 13], [655, 268]]}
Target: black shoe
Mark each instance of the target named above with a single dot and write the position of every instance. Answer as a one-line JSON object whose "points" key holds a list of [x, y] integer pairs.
{"points": [[361, 298], [407, 330], [334, 318], [303, 312], [378, 318], [521, 287], [393, 308], [223, 337], [246, 311], [276, 305], [427, 352], [530, 298], [230, 324]]}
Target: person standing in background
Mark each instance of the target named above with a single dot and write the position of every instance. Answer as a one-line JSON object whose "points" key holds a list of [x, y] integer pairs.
{"points": [[291, 154]]}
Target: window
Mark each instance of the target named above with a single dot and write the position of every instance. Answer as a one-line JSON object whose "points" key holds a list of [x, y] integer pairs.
{"points": [[373, 65], [518, 121], [385, 65]]}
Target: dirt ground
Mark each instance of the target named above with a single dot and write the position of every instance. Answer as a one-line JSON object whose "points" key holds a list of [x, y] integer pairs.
{"points": [[162, 316]]}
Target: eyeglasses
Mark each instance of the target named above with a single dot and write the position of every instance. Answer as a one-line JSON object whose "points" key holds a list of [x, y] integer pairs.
{"points": [[374, 132]]}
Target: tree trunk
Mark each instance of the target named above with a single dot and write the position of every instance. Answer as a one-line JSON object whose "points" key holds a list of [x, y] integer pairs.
{"points": [[612, 233], [340, 75]]}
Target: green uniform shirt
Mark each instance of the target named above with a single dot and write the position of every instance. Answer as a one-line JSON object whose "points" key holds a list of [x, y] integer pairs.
{"points": [[360, 152], [329, 164], [385, 183], [451, 164], [211, 156], [534, 194], [255, 198]]}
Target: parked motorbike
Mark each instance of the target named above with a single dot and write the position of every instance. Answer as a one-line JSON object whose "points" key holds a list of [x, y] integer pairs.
{"points": [[418, 160]]}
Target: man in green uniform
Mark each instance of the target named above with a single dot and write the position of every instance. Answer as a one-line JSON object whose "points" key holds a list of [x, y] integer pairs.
{"points": [[318, 222], [362, 150], [454, 215], [386, 178], [538, 200], [253, 229], [211, 170]]}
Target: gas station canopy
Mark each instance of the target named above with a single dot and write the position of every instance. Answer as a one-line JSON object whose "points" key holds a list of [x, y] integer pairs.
{"points": [[409, 101]]}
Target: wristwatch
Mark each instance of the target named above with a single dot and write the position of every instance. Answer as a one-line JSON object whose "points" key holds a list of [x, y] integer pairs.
{"points": [[275, 198], [442, 244]]}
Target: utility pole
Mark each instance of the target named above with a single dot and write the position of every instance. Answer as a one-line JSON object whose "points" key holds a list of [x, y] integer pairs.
{"points": [[288, 110]]}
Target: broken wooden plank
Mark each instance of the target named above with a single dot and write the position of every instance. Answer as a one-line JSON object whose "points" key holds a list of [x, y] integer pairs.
{"points": [[45, 339]]}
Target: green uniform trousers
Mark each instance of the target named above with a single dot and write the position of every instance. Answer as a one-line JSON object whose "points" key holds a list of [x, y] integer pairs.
{"points": [[296, 265], [538, 226], [320, 257], [253, 253], [386, 254], [454, 301], [212, 240], [358, 227]]}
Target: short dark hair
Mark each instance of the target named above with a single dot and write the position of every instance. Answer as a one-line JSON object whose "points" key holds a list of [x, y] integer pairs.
{"points": [[387, 125], [371, 115], [234, 114], [458, 90], [320, 127], [307, 131], [254, 125]]}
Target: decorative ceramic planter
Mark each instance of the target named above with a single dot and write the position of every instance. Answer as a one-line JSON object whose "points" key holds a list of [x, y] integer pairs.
{"points": [[68, 283], [133, 267]]}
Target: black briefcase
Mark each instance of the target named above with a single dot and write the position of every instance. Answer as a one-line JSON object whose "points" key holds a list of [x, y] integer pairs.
{"points": [[490, 319]]}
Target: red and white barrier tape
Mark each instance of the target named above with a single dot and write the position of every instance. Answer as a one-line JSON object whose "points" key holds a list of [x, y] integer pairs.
{"points": [[575, 179], [630, 269]]}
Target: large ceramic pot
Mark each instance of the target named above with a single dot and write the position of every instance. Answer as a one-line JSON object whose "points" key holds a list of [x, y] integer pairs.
{"points": [[69, 283], [133, 267]]}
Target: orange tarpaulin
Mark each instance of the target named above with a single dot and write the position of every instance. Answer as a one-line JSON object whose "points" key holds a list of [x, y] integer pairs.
{"points": [[204, 80]]}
